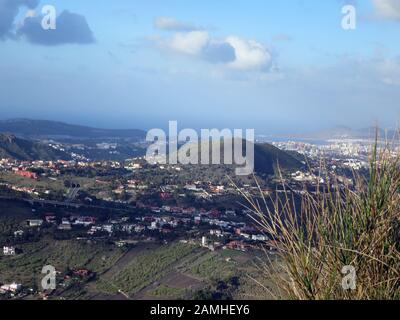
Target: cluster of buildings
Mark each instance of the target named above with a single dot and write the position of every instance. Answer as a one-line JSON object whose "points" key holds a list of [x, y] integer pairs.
{"points": [[9, 251], [12, 288], [221, 227], [332, 157], [66, 222], [351, 153]]}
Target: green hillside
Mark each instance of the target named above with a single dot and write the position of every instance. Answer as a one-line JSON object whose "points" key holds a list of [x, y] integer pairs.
{"points": [[267, 158], [20, 149]]}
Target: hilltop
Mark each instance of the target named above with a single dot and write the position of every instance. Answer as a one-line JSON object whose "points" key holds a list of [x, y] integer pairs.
{"points": [[54, 129], [21, 149], [267, 158]]}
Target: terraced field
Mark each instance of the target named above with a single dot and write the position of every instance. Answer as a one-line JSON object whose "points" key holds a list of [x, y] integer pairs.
{"points": [[70, 254], [181, 271]]}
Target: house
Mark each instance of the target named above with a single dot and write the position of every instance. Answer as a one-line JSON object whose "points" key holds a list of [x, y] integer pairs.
{"points": [[154, 226], [236, 245], [94, 229], [246, 235], [189, 210], [165, 195], [50, 218], [65, 225], [127, 228], [191, 187], [217, 233], [81, 273], [85, 221], [34, 222], [108, 228], [173, 223], [19, 233], [217, 189], [204, 241], [8, 251], [259, 237], [27, 174], [13, 287]]}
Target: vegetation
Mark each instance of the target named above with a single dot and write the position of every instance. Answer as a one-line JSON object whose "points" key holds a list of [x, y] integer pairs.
{"points": [[20, 149], [63, 255], [147, 268], [213, 267], [267, 158], [165, 291], [335, 230]]}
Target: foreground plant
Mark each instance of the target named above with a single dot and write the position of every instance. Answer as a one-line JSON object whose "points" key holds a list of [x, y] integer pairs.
{"points": [[340, 242]]}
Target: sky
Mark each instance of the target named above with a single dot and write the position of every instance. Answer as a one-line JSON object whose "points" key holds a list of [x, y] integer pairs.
{"points": [[275, 66]]}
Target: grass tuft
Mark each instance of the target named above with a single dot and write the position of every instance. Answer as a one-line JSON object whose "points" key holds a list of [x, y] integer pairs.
{"points": [[334, 228]]}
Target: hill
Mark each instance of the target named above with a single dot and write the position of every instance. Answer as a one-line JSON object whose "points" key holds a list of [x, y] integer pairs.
{"points": [[54, 129], [20, 149], [267, 158]]}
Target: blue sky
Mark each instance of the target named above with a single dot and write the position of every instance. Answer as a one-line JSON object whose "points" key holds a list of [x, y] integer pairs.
{"points": [[275, 66]]}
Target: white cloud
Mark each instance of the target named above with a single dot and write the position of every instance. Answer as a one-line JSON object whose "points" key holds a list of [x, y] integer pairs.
{"points": [[191, 43], [8, 12], [171, 24], [388, 8], [233, 52], [249, 54]]}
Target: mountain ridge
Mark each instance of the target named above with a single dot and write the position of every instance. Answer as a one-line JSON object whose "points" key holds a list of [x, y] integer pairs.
{"points": [[48, 128], [21, 149]]}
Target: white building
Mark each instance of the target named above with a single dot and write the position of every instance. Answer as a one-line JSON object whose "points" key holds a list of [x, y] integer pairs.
{"points": [[35, 223], [204, 241], [19, 233], [9, 251], [154, 226], [108, 228], [14, 287], [65, 225], [259, 237]]}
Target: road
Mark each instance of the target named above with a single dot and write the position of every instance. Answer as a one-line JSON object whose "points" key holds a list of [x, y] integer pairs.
{"points": [[64, 204]]}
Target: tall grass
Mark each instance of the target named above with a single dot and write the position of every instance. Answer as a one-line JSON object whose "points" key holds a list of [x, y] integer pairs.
{"points": [[356, 226]]}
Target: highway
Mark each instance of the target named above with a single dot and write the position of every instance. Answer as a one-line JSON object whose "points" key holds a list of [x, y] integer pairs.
{"points": [[65, 204]]}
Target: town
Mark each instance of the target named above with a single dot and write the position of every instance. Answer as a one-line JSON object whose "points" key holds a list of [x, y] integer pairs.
{"points": [[127, 204]]}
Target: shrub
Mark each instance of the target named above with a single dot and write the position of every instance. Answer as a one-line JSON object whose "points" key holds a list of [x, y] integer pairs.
{"points": [[335, 227]]}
